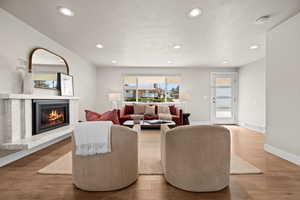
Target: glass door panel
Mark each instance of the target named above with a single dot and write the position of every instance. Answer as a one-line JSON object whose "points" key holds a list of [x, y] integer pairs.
{"points": [[224, 114], [223, 105], [223, 92]]}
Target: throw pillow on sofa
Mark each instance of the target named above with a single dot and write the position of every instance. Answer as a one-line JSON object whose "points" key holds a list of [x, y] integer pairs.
{"points": [[107, 116], [149, 110], [173, 110], [163, 109], [139, 109], [129, 110]]}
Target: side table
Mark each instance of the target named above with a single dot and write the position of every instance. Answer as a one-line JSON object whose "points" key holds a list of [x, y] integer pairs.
{"points": [[186, 120]]}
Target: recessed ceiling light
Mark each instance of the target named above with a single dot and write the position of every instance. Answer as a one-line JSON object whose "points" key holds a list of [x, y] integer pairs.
{"points": [[177, 46], [66, 11], [225, 62], [263, 19], [100, 46], [113, 61], [170, 62], [253, 47], [195, 12]]}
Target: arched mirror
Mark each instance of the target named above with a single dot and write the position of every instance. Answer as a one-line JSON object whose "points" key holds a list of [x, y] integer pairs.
{"points": [[44, 66]]}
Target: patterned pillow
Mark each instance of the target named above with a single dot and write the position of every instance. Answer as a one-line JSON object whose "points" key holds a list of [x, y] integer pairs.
{"points": [[149, 110], [163, 109]]}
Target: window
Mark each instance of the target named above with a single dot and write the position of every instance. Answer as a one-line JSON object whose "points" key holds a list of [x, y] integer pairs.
{"points": [[151, 88]]}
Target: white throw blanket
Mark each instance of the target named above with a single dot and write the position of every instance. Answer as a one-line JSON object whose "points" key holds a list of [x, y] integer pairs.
{"points": [[93, 137]]}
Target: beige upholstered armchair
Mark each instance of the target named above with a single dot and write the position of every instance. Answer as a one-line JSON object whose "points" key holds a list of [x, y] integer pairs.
{"points": [[196, 158], [110, 171]]}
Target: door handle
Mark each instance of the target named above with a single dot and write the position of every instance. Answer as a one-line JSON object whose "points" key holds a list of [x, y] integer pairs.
{"points": [[214, 99]]}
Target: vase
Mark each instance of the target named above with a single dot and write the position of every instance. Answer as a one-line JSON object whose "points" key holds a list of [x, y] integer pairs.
{"points": [[28, 84]]}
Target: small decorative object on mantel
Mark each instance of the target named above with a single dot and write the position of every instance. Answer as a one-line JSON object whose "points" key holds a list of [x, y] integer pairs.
{"points": [[26, 77], [65, 84]]}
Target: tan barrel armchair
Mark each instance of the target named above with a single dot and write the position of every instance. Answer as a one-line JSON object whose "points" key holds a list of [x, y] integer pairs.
{"points": [[110, 171], [196, 158]]}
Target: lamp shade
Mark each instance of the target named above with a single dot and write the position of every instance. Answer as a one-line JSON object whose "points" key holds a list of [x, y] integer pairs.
{"points": [[114, 96]]}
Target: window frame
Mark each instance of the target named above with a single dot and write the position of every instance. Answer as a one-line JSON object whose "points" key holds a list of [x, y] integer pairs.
{"points": [[147, 75]]}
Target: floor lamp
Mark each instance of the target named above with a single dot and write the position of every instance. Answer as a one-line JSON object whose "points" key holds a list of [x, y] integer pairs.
{"points": [[114, 98], [184, 98]]}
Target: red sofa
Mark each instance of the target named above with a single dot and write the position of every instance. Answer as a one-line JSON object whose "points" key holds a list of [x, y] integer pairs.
{"points": [[127, 111]]}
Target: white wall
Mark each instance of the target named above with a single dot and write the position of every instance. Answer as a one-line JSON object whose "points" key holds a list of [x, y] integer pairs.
{"points": [[17, 39], [252, 95], [283, 89], [193, 80]]}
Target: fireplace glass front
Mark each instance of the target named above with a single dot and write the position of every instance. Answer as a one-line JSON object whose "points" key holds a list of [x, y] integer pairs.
{"points": [[49, 115]]}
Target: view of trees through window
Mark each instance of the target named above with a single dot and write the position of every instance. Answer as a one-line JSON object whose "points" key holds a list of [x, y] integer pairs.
{"points": [[151, 88]]}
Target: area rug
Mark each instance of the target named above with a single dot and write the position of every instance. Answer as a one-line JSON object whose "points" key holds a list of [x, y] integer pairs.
{"points": [[149, 159]]}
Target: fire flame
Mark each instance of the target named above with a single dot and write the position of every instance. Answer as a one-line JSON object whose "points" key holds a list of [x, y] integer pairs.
{"points": [[54, 115]]}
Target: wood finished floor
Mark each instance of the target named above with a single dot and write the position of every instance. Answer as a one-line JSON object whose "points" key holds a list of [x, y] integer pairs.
{"points": [[281, 179]]}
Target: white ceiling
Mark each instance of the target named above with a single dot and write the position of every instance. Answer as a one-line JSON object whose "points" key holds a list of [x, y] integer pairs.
{"points": [[142, 32]]}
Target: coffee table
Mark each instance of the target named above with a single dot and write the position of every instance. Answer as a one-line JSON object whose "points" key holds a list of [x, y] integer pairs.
{"points": [[146, 125]]}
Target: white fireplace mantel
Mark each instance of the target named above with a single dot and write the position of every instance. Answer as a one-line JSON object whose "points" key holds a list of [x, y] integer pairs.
{"points": [[34, 96], [16, 121]]}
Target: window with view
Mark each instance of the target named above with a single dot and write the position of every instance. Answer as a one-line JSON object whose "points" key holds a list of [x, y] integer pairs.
{"points": [[151, 88]]}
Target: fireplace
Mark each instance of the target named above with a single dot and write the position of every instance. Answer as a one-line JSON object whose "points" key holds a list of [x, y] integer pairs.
{"points": [[49, 115]]}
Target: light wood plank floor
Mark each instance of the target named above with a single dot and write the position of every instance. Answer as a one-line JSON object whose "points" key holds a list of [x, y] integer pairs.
{"points": [[281, 179]]}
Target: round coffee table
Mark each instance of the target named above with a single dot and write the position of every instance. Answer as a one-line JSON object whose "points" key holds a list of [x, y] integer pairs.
{"points": [[146, 124]]}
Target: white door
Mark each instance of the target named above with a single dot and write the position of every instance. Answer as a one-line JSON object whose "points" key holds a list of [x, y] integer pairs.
{"points": [[223, 97]]}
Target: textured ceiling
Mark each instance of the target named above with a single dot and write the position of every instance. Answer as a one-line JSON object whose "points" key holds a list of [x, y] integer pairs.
{"points": [[142, 32]]}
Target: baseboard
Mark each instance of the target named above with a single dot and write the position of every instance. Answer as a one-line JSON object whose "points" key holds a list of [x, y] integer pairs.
{"points": [[20, 154], [200, 123], [210, 123], [260, 129], [282, 154]]}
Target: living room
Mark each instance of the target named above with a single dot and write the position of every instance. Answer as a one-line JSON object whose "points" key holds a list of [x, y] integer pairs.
{"points": [[190, 100]]}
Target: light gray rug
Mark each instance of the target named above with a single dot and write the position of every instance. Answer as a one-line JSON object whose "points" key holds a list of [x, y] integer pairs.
{"points": [[149, 156]]}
